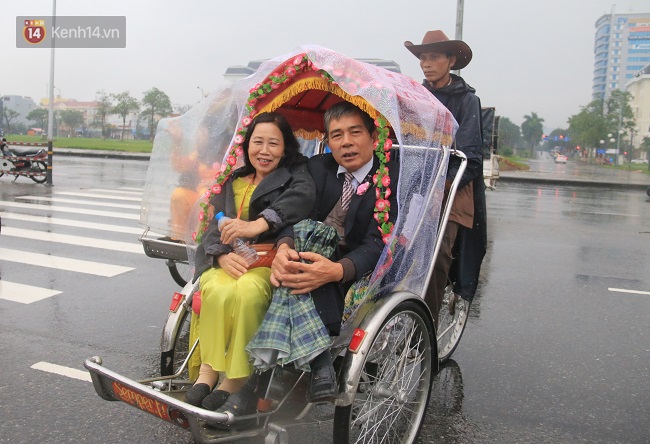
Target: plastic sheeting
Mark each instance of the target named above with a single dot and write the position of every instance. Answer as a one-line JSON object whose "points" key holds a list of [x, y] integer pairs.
{"points": [[189, 152]]}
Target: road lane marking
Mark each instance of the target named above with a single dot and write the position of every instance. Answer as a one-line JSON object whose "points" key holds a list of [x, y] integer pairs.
{"points": [[95, 195], [600, 213], [70, 223], [24, 294], [79, 202], [131, 191], [54, 209], [91, 242], [623, 290], [62, 263], [63, 371]]}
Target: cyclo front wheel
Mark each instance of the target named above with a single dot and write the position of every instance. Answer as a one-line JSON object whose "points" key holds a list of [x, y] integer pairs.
{"points": [[172, 359], [394, 385], [452, 321]]}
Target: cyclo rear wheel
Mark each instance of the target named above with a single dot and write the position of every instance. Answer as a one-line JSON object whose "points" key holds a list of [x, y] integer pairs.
{"points": [[180, 271], [394, 386]]}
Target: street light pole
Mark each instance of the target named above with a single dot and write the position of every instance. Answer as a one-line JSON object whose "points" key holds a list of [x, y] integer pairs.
{"points": [[459, 24], [50, 123]]}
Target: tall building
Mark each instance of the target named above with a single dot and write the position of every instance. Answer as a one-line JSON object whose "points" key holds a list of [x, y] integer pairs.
{"points": [[621, 49]]}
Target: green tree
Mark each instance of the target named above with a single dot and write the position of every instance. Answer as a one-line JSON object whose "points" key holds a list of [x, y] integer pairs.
{"points": [[619, 112], [39, 116], [8, 115], [532, 130], [589, 126], [104, 106], [124, 105], [72, 119], [156, 104], [509, 134]]}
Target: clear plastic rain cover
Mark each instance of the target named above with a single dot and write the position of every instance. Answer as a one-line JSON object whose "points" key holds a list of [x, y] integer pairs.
{"points": [[189, 152]]}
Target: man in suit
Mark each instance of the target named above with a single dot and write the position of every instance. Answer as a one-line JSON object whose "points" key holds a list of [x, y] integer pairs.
{"points": [[344, 204]]}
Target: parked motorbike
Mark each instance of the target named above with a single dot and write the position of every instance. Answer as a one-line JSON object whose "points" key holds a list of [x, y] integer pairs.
{"points": [[28, 162]]}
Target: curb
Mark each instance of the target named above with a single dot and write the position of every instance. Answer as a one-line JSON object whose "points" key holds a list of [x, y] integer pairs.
{"points": [[101, 154], [574, 182]]}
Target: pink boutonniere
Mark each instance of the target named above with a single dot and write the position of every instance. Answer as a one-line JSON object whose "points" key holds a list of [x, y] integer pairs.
{"points": [[361, 189]]}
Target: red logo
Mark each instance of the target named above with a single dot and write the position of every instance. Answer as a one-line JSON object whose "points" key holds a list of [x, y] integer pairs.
{"points": [[34, 31]]}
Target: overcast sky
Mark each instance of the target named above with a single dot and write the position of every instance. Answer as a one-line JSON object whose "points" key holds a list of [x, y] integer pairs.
{"points": [[529, 55]]}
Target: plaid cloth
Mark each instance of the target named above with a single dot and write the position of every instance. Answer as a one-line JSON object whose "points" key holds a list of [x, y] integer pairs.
{"points": [[292, 330]]}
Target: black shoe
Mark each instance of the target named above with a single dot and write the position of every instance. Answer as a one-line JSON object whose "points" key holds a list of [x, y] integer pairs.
{"points": [[197, 393], [215, 399], [242, 403], [322, 383]]}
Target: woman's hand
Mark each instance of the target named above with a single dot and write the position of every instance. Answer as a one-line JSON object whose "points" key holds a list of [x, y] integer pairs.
{"points": [[234, 228], [233, 264]]}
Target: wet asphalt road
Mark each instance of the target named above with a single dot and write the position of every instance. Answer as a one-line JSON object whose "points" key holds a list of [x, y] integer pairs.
{"points": [[554, 352]]}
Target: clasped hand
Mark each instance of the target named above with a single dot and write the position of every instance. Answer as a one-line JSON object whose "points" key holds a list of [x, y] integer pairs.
{"points": [[234, 228], [288, 271]]}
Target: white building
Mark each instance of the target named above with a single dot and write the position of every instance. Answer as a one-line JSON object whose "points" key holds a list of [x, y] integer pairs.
{"points": [[639, 87]]}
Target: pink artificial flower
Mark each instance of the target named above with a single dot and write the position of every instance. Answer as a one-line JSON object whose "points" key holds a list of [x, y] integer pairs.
{"points": [[380, 205], [377, 193], [252, 101], [297, 60], [239, 139], [223, 167], [374, 179], [361, 189], [290, 71], [201, 217], [388, 144], [276, 74], [194, 236], [216, 166], [375, 144], [232, 160], [385, 238], [387, 193], [387, 156], [216, 189], [239, 151], [385, 181], [377, 123], [246, 121], [207, 194], [274, 85]]}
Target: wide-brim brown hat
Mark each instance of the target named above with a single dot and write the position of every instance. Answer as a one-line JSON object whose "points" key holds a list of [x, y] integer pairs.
{"points": [[437, 41]]}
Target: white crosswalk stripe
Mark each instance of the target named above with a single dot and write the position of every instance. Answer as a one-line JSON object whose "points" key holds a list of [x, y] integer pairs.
{"points": [[25, 294], [50, 208], [79, 202], [65, 243]]}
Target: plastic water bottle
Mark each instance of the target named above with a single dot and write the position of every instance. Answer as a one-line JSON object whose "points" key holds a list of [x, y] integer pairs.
{"points": [[238, 245]]}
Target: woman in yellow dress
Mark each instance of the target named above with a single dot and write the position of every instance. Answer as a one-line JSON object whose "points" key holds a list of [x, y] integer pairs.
{"points": [[273, 189]]}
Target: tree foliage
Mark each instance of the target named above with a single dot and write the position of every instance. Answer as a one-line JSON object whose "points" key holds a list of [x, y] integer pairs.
{"points": [[72, 119], [8, 115], [532, 130], [509, 133], [104, 106], [124, 105], [156, 104], [39, 116]]}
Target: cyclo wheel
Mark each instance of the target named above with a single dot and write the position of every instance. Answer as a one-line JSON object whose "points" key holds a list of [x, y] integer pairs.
{"points": [[395, 382], [180, 271], [39, 166], [172, 359], [452, 320]]}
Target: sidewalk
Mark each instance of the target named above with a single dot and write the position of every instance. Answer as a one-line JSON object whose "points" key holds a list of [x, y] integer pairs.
{"points": [[105, 154], [578, 173]]}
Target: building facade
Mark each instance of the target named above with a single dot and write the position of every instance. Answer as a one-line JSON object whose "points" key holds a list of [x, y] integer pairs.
{"points": [[21, 105], [621, 49]]}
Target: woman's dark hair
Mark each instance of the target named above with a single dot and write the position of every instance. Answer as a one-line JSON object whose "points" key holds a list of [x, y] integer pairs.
{"points": [[292, 154]]}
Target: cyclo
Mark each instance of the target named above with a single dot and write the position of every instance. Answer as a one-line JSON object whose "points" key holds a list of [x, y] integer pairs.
{"points": [[389, 350]]}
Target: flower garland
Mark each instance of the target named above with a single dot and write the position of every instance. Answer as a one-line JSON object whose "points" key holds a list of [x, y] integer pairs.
{"points": [[285, 74]]}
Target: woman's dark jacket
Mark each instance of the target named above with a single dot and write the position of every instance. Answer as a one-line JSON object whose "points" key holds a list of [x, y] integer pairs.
{"points": [[471, 244], [284, 197]]}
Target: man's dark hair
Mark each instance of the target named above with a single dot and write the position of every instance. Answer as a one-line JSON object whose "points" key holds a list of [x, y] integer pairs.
{"points": [[292, 154], [346, 109]]}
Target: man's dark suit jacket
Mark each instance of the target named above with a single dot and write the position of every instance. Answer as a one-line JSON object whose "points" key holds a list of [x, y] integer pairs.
{"points": [[363, 239]]}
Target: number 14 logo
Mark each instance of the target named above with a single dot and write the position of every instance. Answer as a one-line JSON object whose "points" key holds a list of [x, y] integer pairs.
{"points": [[34, 31]]}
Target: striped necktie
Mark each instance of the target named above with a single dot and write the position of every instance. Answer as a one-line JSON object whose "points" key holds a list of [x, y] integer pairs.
{"points": [[348, 190]]}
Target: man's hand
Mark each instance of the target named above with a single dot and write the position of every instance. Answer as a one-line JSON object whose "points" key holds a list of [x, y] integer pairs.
{"points": [[234, 228], [283, 256], [233, 264], [303, 278]]}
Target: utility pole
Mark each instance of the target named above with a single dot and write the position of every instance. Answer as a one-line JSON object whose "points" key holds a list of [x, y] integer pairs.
{"points": [[459, 25], [50, 122]]}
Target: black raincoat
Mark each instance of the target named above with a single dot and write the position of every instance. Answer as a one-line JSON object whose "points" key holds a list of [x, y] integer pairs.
{"points": [[471, 244]]}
